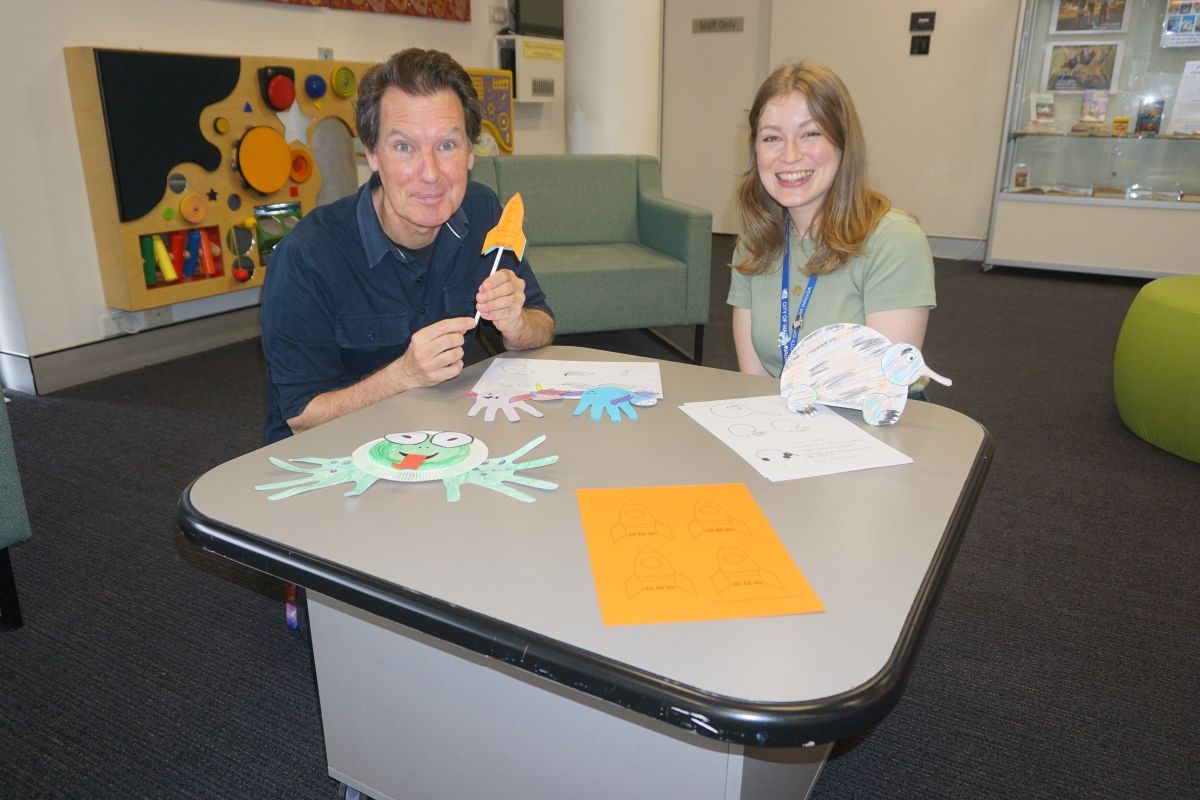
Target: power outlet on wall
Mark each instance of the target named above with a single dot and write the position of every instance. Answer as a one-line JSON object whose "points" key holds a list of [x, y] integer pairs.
{"points": [[498, 15], [325, 53], [157, 316], [112, 323]]}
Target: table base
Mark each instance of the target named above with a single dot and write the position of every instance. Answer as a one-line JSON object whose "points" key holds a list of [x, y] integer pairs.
{"points": [[409, 716]]}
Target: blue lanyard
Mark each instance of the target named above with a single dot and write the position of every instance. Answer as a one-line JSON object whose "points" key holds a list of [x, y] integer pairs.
{"points": [[789, 329]]}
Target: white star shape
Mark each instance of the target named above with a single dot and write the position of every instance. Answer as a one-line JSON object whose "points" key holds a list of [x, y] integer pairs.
{"points": [[295, 124]]}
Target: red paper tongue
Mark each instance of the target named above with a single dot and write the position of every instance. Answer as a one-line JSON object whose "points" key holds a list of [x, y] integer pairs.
{"points": [[411, 461]]}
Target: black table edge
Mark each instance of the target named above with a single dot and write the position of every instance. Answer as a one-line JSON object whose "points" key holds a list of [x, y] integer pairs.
{"points": [[726, 719]]}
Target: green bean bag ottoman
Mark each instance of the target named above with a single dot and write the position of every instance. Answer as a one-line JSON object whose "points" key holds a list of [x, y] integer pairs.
{"points": [[1156, 369]]}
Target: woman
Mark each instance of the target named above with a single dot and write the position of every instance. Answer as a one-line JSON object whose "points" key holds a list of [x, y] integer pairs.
{"points": [[818, 244]]}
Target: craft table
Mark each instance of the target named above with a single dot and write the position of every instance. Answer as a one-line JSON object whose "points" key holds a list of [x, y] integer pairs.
{"points": [[459, 648]]}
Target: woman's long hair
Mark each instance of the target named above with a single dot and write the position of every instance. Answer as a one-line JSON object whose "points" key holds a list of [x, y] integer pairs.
{"points": [[851, 209]]}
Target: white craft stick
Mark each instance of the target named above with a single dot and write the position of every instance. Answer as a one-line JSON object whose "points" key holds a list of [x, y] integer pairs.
{"points": [[496, 263]]}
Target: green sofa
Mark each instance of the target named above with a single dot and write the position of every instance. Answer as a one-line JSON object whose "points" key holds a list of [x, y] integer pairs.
{"points": [[609, 250], [14, 523]]}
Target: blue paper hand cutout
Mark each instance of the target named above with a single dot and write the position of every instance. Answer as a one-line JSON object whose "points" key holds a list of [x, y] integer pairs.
{"points": [[613, 401]]}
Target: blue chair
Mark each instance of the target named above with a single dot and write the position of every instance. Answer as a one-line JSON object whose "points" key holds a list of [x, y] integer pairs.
{"points": [[14, 524]]}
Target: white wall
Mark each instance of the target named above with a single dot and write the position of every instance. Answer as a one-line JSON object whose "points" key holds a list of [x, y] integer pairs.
{"points": [[726, 69], [623, 43], [47, 252], [933, 123]]}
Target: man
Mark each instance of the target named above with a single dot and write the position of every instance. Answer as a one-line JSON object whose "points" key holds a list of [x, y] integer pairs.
{"points": [[376, 293]]}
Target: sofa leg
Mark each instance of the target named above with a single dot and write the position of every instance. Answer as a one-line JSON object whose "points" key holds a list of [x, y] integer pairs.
{"points": [[697, 347], [10, 609]]}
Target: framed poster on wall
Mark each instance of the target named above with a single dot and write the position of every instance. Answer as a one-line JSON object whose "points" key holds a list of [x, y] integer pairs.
{"points": [[1089, 16], [1081, 65], [1181, 24]]}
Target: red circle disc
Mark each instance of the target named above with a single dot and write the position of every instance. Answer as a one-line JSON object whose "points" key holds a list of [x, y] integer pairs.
{"points": [[281, 92]]}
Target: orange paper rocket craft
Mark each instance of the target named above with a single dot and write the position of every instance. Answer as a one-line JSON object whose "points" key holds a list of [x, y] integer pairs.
{"points": [[508, 234]]}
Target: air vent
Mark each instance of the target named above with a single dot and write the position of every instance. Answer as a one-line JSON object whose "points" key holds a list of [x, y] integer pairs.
{"points": [[542, 87]]}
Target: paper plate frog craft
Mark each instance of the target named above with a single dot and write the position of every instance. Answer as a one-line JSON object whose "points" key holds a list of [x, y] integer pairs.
{"points": [[449, 456], [853, 366]]}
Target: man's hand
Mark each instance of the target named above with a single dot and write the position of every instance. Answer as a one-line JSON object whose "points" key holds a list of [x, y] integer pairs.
{"points": [[435, 353], [500, 299]]}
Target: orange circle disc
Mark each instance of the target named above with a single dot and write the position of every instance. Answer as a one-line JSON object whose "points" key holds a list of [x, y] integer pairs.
{"points": [[193, 208], [264, 160], [302, 165]]}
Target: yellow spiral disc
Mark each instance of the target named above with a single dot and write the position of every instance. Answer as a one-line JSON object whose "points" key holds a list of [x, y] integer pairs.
{"points": [[344, 81]]}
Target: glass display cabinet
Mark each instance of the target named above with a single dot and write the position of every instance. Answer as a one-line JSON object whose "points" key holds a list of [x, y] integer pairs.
{"points": [[1101, 164]]}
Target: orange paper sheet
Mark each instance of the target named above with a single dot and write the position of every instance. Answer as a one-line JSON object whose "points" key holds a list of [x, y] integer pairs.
{"points": [[683, 553]]}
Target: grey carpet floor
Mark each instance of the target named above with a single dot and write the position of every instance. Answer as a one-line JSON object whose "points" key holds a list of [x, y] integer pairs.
{"points": [[1062, 661]]}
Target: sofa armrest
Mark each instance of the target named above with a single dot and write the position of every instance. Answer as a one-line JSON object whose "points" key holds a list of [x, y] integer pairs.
{"points": [[14, 523], [682, 232]]}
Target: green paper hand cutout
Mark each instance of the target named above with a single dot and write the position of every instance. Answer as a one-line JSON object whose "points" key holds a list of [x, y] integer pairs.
{"points": [[493, 474]]}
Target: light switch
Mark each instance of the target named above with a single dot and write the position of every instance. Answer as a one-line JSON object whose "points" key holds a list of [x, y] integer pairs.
{"points": [[921, 20]]}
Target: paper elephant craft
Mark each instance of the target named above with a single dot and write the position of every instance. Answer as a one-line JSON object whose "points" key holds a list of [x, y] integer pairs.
{"points": [[853, 366]]}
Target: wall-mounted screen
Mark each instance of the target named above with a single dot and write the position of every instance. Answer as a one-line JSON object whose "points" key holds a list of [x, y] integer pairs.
{"points": [[538, 17]]}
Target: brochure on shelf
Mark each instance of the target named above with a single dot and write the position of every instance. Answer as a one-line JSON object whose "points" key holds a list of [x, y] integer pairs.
{"points": [[1185, 110]]}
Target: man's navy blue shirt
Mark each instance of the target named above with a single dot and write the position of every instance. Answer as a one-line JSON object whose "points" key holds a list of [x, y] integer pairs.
{"points": [[341, 300]]}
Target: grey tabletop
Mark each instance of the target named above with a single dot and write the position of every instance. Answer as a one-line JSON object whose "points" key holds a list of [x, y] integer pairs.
{"points": [[875, 544]]}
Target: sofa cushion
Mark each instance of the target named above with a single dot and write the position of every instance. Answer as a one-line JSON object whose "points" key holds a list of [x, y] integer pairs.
{"points": [[574, 200], [610, 287]]}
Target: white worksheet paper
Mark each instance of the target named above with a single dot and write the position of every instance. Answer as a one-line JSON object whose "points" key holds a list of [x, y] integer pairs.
{"points": [[530, 373], [783, 444]]}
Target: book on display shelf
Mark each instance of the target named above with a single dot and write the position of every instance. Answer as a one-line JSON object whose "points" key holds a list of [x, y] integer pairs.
{"points": [[1056, 190], [1041, 108], [1149, 116], [1095, 106]]}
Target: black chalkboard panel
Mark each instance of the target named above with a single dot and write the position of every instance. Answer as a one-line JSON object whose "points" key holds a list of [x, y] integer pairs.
{"points": [[152, 104]]}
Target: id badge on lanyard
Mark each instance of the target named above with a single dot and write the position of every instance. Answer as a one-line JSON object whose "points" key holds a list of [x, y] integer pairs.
{"points": [[789, 328]]}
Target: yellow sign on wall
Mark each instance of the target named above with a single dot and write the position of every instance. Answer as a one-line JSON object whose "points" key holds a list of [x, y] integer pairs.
{"points": [[547, 51]]}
